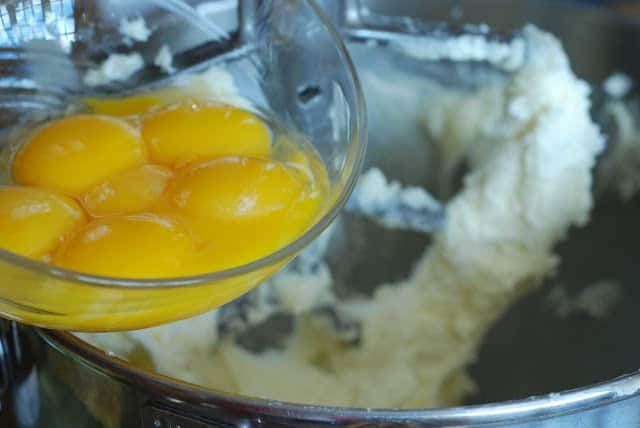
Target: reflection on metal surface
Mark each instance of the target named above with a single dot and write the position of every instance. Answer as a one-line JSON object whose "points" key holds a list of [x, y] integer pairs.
{"points": [[157, 417]]}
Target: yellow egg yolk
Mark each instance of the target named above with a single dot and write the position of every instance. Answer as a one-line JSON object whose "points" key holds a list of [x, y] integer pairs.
{"points": [[132, 246], [78, 152], [33, 220], [242, 208], [193, 130], [123, 106], [237, 189], [175, 189], [131, 191]]}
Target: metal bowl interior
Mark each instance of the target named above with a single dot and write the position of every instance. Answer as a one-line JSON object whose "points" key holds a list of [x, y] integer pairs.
{"points": [[531, 350], [535, 369]]}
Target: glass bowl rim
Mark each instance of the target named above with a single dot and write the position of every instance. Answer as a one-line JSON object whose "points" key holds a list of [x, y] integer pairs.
{"points": [[271, 259]]}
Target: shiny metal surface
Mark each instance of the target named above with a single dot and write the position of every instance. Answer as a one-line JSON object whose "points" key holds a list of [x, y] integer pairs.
{"points": [[582, 371], [78, 386]]}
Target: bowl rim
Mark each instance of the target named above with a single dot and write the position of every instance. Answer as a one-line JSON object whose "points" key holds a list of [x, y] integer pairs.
{"points": [[355, 161], [538, 407]]}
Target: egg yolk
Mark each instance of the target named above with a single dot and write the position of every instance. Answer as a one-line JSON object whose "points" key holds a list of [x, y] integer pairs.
{"points": [[123, 106], [131, 246], [33, 221], [78, 152], [131, 191], [237, 189], [183, 189], [242, 208], [193, 130]]}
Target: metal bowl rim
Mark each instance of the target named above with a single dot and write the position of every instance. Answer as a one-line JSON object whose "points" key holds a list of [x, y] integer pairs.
{"points": [[533, 408]]}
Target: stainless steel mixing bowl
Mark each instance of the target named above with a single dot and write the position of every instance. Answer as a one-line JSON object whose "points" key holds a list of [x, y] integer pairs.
{"points": [[580, 372]]}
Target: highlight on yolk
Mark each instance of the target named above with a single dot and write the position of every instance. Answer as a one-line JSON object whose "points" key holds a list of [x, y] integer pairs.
{"points": [[133, 190], [129, 106], [194, 130], [78, 152], [242, 208], [33, 220], [131, 246]]}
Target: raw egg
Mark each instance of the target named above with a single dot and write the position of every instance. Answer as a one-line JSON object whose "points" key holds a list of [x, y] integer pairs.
{"points": [[76, 153], [129, 106], [195, 130], [179, 187], [131, 191], [132, 246], [242, 208], [237, 189], [33, 221]]}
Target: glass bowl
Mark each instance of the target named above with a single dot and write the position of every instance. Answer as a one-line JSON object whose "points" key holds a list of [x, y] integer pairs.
{"points": [[284, 58]]}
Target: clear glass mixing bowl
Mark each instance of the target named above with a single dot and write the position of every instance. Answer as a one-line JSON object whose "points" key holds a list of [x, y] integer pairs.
{"points": [[284, 57]]}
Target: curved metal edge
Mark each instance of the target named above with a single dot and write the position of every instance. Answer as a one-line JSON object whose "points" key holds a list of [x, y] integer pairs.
{"points": [[15, 364], [5, 380], [526, 410]]}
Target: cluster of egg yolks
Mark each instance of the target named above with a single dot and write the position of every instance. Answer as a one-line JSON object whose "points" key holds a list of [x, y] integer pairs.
{"points": [[178, 190]]}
